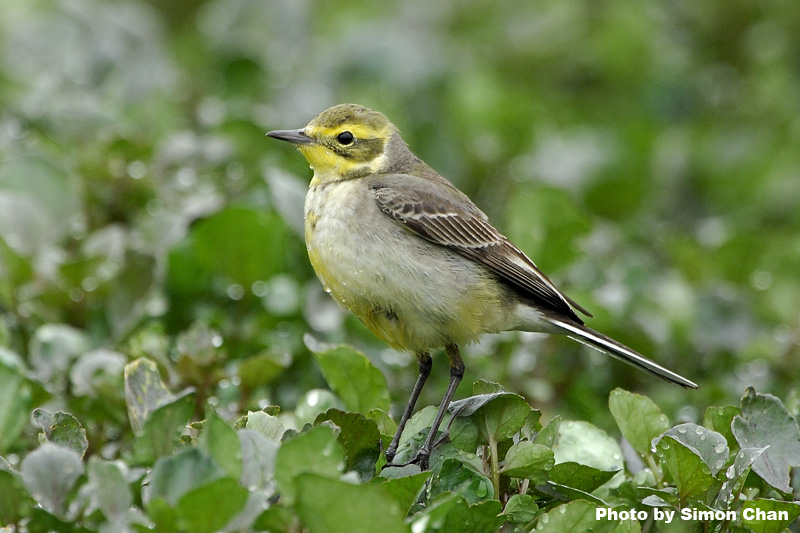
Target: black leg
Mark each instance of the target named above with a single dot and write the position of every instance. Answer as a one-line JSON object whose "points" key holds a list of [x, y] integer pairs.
{"points": [[456, 373], [425, 364]]}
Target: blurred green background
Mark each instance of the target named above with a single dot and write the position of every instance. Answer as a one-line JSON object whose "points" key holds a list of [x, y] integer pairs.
{"points": [[645, 154]]}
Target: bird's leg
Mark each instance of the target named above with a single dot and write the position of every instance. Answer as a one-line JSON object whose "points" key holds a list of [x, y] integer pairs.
{"points": [[425, 363], [456, 373]]}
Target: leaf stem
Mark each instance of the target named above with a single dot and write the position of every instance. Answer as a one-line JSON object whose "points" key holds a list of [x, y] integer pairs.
{"points": [[495, 467]]}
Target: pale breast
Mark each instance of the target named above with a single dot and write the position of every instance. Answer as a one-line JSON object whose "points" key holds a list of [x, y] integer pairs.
{"points": [[410, 292]]}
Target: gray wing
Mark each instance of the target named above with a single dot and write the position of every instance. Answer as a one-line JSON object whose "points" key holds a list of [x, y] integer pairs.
{"points": [[440, 213]]}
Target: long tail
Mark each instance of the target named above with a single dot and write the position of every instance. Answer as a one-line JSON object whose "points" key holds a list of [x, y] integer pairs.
{"points": [[619, 351]]}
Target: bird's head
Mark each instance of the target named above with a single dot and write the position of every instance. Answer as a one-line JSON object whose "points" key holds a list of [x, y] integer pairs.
{"points": [[344, 142]]}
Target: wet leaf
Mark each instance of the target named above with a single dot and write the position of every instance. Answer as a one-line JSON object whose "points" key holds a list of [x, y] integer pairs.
{"points": [[528, 460], [709, 445], [574, 516], [359, 437], [691, 474], [765, 422], [459, 478]]}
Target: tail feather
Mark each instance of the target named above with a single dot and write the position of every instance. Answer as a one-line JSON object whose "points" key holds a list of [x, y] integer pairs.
{"points": [[619, 351]]}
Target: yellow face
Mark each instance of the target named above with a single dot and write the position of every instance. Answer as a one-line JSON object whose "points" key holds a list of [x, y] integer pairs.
{"points": [[346, 142]]}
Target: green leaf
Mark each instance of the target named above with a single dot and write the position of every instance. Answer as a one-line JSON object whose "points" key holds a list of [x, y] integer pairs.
{"points": [[260, 369], [97, 373], [277, 519], [144, 391], [174, 476], [386, 425], [638, 418], [162, 429], [220, 442], [581, 477], [162, 514], [769, 516], [42, 521], [630, 525], [331, 506], [414, 434], [766, 422], [315, 451], [691, 474], [15, 503], [46, 196], [533, 425], [419, 422], [719, 419], [547, 435], [354, 379], [583, 443], [574, 516], [132, 286], [15, 404], [735, 477], [469, 405], [49, 473], [521, 509], [459, 478], [464, 434], [53, 349], [404, 490], [208, 508], [450, 513], [110, 490], [258, 459], [558, 222], [62, 429], [448, 450], [266, 424], [709, 445], [312, 403], [256, 253], [499, 415], [557, 492], [482, 387], [482, 517], [360, 440], [528, 460]]}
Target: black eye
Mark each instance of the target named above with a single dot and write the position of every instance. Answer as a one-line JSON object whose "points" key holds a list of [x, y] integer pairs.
{"points": [[345, 138]]}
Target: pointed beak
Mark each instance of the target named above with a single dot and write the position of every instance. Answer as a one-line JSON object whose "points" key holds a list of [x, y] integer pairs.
{"points": [[292, 136]]}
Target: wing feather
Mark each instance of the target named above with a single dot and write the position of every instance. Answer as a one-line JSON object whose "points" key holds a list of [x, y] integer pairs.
{"points": [[438, 212]]}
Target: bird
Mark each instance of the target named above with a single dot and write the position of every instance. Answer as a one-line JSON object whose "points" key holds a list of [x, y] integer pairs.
{"points": [[410, 255]]}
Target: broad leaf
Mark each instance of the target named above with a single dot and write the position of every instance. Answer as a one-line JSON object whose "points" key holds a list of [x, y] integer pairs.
{"points": [[368, 508], [639, 419], [354, 379], [765, 423]]}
